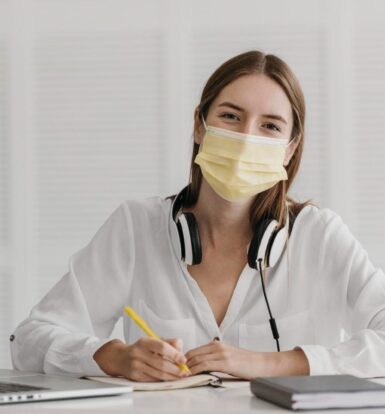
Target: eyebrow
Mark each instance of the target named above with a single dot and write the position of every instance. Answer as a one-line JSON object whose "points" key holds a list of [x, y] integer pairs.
{"points": [[238, 108]]}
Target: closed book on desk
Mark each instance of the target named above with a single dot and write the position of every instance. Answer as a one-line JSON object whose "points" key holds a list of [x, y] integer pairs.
{"points": [[319, 392]]}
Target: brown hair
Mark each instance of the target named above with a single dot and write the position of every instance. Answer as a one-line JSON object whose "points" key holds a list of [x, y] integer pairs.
{"points": [[269, 203]]}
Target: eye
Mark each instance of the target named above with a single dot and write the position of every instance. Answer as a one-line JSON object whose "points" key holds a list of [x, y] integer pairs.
{"points": [[273, 127], [230, 116]]}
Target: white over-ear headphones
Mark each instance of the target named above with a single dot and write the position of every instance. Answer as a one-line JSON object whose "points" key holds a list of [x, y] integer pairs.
{"points": [[267, 244]]}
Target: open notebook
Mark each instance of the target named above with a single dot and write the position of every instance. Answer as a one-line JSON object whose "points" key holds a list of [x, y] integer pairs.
{"points": [[188, 382]]}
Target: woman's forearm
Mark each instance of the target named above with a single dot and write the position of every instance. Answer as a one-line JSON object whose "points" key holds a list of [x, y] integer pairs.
{"points": [[284, 363]]}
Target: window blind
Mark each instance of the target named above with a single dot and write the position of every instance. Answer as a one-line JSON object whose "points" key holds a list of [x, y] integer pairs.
{"points": [[5, 273], [369, 144], [98, 135], [4, 149]]}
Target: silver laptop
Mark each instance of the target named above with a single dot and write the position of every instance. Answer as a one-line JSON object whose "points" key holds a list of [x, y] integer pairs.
{"points": [[19, 386]]}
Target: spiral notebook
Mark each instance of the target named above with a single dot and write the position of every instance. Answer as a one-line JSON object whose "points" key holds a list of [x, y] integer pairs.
{"points": [[188, 382]]}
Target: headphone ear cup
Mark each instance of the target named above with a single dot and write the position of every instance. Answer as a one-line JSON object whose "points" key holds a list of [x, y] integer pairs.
{"points": [[258, 245], [190, 238]]}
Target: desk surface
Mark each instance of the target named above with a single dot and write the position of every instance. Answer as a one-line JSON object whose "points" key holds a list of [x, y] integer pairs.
{"points": [[208, 400]]}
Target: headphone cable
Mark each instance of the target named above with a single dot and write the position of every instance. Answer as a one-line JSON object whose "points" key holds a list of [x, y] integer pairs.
{"points": [[273, 325]]}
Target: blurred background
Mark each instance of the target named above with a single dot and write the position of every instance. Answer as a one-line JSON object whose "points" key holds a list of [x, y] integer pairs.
{"points": [[96, 107]]}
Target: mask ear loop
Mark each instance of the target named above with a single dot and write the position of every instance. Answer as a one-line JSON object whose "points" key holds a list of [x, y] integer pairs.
{"points": [[204, 122], [288, 144], [205, 126]]}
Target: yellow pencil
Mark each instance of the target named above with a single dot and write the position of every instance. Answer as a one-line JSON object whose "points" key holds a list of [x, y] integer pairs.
{"points": [[143, 325]]}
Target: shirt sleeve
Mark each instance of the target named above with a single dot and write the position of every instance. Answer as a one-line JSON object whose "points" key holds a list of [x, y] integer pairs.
{"points": [[78, 314], [362, 294]]}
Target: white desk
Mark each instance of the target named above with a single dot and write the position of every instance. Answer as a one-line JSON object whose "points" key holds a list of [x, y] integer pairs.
{"points": [[206, 400]]}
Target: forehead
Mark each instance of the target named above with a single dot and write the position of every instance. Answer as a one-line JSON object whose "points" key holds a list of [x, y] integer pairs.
{"points": [[256, 94]]}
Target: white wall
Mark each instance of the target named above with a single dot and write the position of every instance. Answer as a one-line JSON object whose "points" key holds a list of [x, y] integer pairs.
{"points": [[96, 106]]}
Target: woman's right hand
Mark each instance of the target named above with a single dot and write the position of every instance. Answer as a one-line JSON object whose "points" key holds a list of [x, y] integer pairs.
{"points": [[148, 359]]}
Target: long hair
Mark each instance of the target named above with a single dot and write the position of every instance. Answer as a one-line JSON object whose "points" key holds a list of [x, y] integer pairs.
{"points": [[270, 203]]}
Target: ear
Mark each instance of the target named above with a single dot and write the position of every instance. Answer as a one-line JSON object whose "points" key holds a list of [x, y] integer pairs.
{"points": [[290, 150], [198, 127]]}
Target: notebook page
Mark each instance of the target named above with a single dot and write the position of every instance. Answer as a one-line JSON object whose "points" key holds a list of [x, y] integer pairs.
{"points": [[188, 382]]}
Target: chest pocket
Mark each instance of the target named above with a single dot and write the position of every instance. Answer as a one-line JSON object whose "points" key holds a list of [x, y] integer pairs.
{"points": [[170, 328], [297, 329]]}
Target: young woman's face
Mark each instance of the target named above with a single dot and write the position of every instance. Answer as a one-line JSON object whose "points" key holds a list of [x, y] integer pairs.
{"points": [[253, 104]]}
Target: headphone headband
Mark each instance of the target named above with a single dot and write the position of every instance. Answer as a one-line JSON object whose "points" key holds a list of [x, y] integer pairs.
{"points": [[178, 202]]}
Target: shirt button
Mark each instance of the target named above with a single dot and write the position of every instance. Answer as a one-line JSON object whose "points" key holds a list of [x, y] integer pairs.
{"points": [[11, 338]]}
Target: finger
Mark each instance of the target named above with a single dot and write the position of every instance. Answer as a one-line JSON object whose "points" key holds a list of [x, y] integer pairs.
{"points": [[141, 353], [134, 372], [159, 374], [176, 343], [162, 364], [199, 359], [147, 378], [208, 366], [142, 377], [162, 348], [201, 350]]}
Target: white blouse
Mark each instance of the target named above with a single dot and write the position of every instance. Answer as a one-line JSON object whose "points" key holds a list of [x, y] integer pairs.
{"points": [[325, 294]]}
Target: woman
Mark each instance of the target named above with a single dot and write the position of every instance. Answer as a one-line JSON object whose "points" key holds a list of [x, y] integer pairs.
{"points": [[191, 266]]}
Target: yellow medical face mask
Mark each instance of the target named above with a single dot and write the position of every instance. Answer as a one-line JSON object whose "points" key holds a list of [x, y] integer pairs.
{"points": [[238, 166]]}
